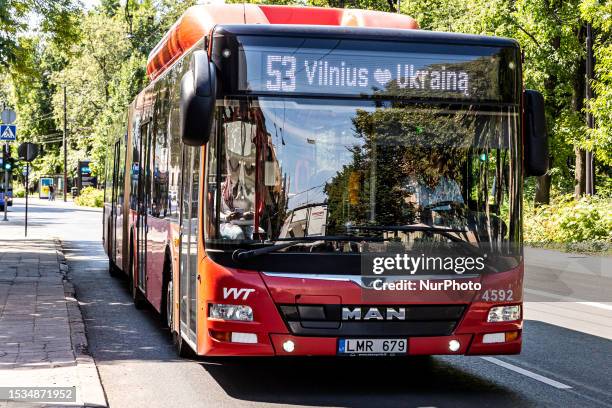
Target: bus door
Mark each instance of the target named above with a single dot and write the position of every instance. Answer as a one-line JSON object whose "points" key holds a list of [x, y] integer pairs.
{"points": [[144, 196], [189, 242], [112, 227], [118, 209]]}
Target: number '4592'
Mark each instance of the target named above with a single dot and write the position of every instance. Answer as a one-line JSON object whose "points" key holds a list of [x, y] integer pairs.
{"points": [[497, 295]]}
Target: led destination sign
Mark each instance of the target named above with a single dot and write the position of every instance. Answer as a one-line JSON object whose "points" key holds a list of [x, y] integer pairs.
{"points": [[283, 75], [485, 74]]}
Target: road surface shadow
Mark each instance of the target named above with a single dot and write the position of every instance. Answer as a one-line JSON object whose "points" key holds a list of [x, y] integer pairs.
{"points": [[117, 330], [120, 333], [420, 381]]}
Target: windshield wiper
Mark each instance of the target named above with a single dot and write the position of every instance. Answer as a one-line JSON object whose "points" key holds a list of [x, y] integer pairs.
{"points": [[415, 228], [243, 254], [444, 231]]}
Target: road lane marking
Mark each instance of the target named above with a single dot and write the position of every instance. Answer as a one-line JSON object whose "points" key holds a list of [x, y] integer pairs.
{"points": [[597, 304], [527, 373], [567, 299]]}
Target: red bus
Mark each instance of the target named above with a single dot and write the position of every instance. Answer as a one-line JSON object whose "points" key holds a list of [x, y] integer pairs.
{"points": [[318, 181]]}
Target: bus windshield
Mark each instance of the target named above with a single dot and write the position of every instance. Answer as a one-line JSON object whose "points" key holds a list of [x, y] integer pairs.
{"points": [[287, 168]]}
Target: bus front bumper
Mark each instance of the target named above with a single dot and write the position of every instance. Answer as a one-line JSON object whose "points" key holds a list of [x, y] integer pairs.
{"points": [[290, 345], [439, 345]]}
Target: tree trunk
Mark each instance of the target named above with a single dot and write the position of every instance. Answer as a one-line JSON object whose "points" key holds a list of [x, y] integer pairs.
{"points": [[580, 173], [543, 183], [578, 96], [391, 4], [542, 192]]}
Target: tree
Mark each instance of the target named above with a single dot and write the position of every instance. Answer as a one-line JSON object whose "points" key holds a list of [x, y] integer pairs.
{"points": [[94, 82], [57, 19], [600, 138], [551, 34], [100, 55]]}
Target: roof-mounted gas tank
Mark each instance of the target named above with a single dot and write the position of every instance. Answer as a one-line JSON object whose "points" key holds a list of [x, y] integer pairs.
{"points": [[198, 21]]}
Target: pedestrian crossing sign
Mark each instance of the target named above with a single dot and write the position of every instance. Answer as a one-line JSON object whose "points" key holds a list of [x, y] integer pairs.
{"points": [[8, 132]]}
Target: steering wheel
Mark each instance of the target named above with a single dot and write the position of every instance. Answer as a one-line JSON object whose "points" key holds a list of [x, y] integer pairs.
{"points": [[439, 204]]}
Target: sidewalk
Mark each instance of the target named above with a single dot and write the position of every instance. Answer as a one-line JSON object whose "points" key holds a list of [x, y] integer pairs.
{"points": [[42, 335]]}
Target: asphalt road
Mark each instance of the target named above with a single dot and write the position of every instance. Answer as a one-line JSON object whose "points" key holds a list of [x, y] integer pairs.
{"points": [[565, 364]]}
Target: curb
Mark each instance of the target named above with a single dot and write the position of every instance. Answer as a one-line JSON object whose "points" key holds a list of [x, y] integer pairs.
{"points": [[90, 386]]}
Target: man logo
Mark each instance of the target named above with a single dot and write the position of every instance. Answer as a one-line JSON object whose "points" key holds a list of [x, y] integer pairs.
{"points": [[237, 293], [374, 313]]}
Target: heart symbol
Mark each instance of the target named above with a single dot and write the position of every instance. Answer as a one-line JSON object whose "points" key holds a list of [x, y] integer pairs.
{"points": [[382, 76]]}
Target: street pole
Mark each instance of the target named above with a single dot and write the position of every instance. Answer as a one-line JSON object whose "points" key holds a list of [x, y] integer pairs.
{"points": [[27, 189], [589, 171], [65, 149], [5, 179], [6, 182]]}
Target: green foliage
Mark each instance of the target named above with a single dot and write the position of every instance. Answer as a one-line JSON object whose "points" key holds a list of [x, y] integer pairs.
{"points": [[90, 197], [567, 221], [604, 186], [552, 34], [100, 56], [93, 78], [106, 69], [19, 192], [600, 15], [382, 5], [56, 19]]}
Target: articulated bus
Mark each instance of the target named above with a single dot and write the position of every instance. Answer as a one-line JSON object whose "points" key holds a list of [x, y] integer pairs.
{"points": [[318, 181]]}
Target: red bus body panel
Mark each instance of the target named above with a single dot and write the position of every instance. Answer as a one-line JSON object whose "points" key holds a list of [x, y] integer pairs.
{"points": [[272, 331]]}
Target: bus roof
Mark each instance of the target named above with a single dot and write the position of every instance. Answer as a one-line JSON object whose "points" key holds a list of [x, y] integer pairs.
{"points": [[199, 20], [365, 33]]}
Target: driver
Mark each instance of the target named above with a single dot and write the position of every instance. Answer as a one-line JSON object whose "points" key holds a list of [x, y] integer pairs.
{"points": [[433, 185]]}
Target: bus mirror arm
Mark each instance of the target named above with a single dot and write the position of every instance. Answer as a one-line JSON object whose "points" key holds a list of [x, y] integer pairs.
{"points": [[536, 137], [197, 100]]}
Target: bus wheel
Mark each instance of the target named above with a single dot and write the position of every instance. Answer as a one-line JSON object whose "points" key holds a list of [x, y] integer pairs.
{"points": [[182, 348], [167, 304], [137, 296]]}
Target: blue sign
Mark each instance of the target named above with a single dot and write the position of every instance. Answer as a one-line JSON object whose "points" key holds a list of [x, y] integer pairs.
{"points": [[8, 132]]}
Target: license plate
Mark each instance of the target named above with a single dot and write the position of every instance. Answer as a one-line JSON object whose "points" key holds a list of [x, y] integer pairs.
{"points": [[372, 346]]}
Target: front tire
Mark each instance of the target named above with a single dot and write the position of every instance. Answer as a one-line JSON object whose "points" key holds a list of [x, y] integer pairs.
{"points": [[183, 349], [167, 304]]}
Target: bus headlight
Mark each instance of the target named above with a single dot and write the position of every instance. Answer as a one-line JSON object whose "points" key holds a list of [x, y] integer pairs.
{"points": [[504, 313], [240, 313]]}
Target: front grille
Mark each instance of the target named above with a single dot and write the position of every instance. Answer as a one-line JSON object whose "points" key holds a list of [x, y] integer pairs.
{"points": [[416, 320]]}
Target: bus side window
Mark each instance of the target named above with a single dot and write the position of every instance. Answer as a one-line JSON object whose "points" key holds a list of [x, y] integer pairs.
{"points": [[160, 179], [121, 174], [134, 171], [212, 174]]}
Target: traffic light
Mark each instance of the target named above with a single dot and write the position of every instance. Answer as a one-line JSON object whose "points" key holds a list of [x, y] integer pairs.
{"points": [[8, 163]]}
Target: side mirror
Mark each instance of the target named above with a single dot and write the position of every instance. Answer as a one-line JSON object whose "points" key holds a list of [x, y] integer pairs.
{"points": [[536, 138], [198, 97]]}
